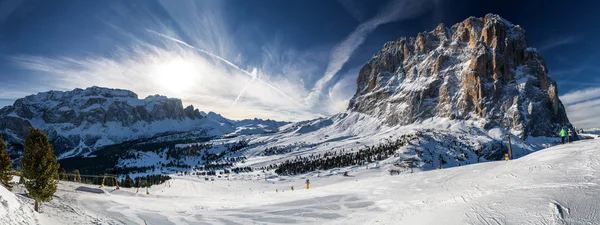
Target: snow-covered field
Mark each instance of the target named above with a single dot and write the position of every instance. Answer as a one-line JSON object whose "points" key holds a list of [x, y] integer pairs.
{"points": [[558, 185]]}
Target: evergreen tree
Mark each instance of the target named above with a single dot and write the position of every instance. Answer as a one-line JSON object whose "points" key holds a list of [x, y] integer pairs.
{"points": [[5, 166], [77, 175], [39, 167], [62, 174], [128, 182]]}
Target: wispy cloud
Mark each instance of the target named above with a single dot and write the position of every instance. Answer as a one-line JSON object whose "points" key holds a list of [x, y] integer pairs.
{"points": [[342, 91], [571, 72], [583, 107], [217, 82], [580, 96], [8, 7], [395, 11], [558, 41], [284, 83], [251, 74], [203, 23], [8, 94], [213, 87], [353, 8]]}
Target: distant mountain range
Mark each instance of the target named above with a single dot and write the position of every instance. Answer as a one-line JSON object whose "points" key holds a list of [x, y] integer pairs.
{"points": [[82, 120]]}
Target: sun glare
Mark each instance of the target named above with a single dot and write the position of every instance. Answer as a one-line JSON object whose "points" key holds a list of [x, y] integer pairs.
{"points": [[176, 76]]}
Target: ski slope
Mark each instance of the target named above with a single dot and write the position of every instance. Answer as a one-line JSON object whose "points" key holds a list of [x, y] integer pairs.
{"points": [[13, 211], [558, 185]]}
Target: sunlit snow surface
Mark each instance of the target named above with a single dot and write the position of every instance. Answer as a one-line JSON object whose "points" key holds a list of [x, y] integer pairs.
{"points": [[558, 185], [12, 211]]}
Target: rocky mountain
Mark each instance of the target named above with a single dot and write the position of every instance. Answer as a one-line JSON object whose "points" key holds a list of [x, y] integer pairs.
{"points": [[80, 121], [480, 69]]}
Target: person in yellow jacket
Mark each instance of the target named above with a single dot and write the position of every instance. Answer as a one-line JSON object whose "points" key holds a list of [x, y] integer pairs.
{"points": [[563, 134]]}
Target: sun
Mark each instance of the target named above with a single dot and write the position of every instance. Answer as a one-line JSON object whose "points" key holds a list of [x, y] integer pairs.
{"points": [[176, 76]]}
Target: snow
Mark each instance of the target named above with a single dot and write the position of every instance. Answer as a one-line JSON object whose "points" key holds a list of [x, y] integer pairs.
{"points": [[558, 185], [456, 140], [13, 211]]}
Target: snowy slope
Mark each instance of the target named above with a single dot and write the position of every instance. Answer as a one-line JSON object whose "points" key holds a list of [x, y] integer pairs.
{"points": [[13, 211], [352, 131], [558, 185], [455, 142]]}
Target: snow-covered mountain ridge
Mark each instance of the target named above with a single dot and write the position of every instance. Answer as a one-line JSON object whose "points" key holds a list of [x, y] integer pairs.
{"points": [[82, 120]]}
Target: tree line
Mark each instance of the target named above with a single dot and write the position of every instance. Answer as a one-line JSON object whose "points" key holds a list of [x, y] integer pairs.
{"points": [[282, 149], [143, 181], [330, 160]]}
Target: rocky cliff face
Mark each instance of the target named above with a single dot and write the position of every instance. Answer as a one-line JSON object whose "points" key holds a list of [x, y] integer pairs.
{"points": [[83, 120], [480, 69], [86, 118]]}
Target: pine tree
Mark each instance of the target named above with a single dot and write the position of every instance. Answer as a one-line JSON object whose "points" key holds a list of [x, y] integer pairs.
{"points": [[128, 182], [62, 174], [39, 166], [76, 175], [5, 166]]}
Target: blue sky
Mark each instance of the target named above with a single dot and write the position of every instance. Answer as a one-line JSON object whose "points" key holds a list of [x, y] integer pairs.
{"points": [[287, 60]]}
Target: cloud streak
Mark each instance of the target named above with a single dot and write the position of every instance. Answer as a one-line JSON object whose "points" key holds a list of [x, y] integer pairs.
{"points": [[216, 84], [580, 96], [559, 41], [395, 11], [253, 75], [213, 87], [8, 7], [583, 107], [351, 6]]}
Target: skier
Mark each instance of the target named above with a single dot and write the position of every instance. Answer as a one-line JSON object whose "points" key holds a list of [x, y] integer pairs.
{"points": [[570, 133], [563, 133]]}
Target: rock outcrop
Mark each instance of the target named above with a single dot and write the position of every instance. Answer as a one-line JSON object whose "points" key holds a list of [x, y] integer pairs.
{"points": [[481, 69]]}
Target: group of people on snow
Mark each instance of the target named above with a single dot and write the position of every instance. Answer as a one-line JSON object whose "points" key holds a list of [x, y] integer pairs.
{"points": [[566, 133]]}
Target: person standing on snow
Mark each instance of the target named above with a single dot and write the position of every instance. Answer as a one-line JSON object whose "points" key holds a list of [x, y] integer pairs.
{"points": [[563, 133], [570, 133]]}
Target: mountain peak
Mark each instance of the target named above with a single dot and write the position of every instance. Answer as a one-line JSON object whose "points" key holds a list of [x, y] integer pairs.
{"points": [[496, 19], [480, 69]]}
